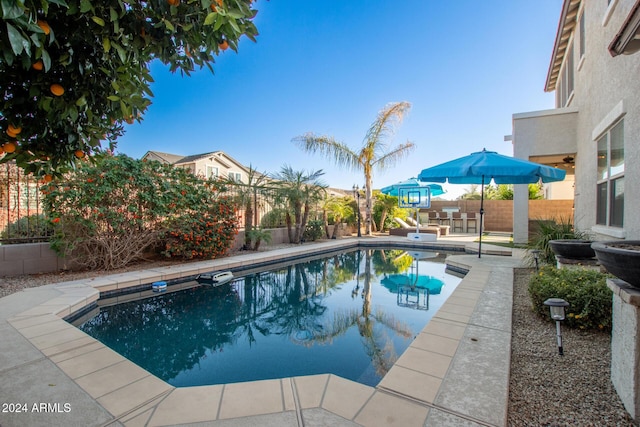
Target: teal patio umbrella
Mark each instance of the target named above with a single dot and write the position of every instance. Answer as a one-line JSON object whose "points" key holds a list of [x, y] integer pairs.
{"points": [[393, 190], [483, 166]]}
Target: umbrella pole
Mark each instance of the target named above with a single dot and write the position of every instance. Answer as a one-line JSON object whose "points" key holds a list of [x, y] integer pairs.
{"points": [[417, 221], [481, 213]]}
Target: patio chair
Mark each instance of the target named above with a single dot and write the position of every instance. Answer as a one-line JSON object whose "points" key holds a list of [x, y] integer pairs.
{"points": [[472, 221], [457, 222], [443, 218], [406, 228], [433, 217]]}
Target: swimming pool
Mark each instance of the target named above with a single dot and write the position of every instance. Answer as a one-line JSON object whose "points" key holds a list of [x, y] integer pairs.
{"points": [[350, 313]]}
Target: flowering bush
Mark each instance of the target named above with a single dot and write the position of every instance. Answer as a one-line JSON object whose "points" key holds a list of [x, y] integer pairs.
{"points": [[207, 234], [109, 214], [585, 290]]}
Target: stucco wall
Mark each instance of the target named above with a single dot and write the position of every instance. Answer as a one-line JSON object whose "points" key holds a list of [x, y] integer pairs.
{"points": [[606, 89]]}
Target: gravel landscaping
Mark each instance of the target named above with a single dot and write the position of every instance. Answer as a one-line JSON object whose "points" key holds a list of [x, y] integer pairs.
{"points": [[546, 389]]}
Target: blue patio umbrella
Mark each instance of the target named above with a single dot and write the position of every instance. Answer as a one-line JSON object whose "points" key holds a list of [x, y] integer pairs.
{"points": [[422, 281], [393, 190], [483, 166]]}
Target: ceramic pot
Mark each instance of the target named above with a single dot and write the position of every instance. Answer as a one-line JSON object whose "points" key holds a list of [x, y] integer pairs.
{"points": [[572, 248], [621, 258]]}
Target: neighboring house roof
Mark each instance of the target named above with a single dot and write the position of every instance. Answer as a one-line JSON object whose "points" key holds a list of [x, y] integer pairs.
{"points": [[627, 41], [565, 27], [219, 156], [166, 157]]}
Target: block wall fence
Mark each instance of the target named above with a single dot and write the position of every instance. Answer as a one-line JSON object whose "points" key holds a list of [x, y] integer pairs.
{"points": [[34, 258]]}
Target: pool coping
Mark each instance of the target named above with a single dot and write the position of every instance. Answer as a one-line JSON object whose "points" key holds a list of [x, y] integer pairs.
{"points": [[455, 371]]}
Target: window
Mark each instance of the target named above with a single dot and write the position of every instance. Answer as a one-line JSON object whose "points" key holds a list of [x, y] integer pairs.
{"points": [[212, 172], [235, 176], [582, 35], [610, 184], [564, 86]]}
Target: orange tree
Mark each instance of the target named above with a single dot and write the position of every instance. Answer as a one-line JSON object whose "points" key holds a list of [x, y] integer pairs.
{"points": [[73, 71], [113, 212]]}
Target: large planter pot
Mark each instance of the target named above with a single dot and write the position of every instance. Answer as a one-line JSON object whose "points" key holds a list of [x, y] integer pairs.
{"points": [[621, 258], [572, 248]]}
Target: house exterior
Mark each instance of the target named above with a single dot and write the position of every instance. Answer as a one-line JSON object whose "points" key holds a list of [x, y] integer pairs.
{"points": [[213, 164], [594, 131]]}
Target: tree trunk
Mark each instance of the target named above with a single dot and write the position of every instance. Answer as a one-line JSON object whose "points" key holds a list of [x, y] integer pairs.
{"points": [[368, 196], [325, 220], [383, 218]]}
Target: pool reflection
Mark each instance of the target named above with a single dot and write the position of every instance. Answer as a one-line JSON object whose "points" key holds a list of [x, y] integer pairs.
{"points": [[330, 315]]}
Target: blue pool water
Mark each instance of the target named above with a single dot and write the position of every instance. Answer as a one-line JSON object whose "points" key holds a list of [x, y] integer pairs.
{"points": [[351, 314]]}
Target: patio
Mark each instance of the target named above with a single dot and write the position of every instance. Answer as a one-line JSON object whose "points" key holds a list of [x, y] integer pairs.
{"points": [[455, 371]]}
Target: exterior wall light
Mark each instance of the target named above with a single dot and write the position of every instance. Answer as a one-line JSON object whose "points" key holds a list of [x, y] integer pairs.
{"points": [[557, 307]]}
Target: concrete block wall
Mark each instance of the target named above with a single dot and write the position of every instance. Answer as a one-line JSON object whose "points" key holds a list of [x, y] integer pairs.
{"points": [[29, 258], [34, 258], [498, 214]]}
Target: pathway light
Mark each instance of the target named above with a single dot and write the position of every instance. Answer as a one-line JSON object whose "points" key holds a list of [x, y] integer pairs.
{"points": [[557, 307]]}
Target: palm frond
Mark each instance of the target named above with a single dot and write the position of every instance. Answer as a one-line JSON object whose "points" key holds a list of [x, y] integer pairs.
{"points": [[328, 146], [384, 126]]}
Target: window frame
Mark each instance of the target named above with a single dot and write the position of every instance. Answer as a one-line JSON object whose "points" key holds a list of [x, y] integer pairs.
{"points": [[606, 183]]}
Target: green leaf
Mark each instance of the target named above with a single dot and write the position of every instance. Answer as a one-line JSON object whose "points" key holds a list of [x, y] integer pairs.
{"points": [[81, 101], [113, 98], [169, 25], [113, 15], [59, 3], [106, 44], [235, 14], [234, 25], [85, 6], [11, 10], [46, 60], [18, 42], [211, 18], [98, 20]]}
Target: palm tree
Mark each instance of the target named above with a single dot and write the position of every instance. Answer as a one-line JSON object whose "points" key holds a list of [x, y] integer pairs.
{"points": [[373, 153], [247, 197], [299, 190], [387, 204], [340, 208]]}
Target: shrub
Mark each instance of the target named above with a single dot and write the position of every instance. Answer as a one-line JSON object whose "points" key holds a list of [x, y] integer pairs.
{"points": [[108, 214], [28, 228], [586, 290], [274, 218], [314, 230]]}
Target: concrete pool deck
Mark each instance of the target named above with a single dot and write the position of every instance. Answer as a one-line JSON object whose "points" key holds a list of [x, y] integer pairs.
{"points": [[455, 372]]}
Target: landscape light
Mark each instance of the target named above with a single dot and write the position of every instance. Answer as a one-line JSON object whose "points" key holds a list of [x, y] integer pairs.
{"points": [[557, 307]]}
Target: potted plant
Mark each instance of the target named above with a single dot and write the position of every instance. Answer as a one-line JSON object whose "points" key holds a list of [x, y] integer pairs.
{"points": [[620, 258], [572, 248], [559, 238]]}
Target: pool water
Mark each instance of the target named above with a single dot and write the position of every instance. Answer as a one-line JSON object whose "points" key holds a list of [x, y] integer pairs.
{"points": [[351, 314]]}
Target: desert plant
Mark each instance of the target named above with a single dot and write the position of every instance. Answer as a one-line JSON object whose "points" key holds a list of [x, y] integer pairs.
{"points": [[585, 290], [257, 235], [314, 230], [547, 230], [274, 218]]}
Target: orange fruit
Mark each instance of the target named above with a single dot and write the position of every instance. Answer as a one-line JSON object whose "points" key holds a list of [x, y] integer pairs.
{"points": [[48, 178], [9, 147], [56, 89], [11, 134], [173, 2], [38, 65], [219, 2], [79, 154], [2, 150], [44, 26], [224, 45], [14, 129]]}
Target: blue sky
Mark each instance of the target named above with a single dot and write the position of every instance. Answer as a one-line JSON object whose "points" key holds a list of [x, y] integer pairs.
{"points": [[329, 66]]}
